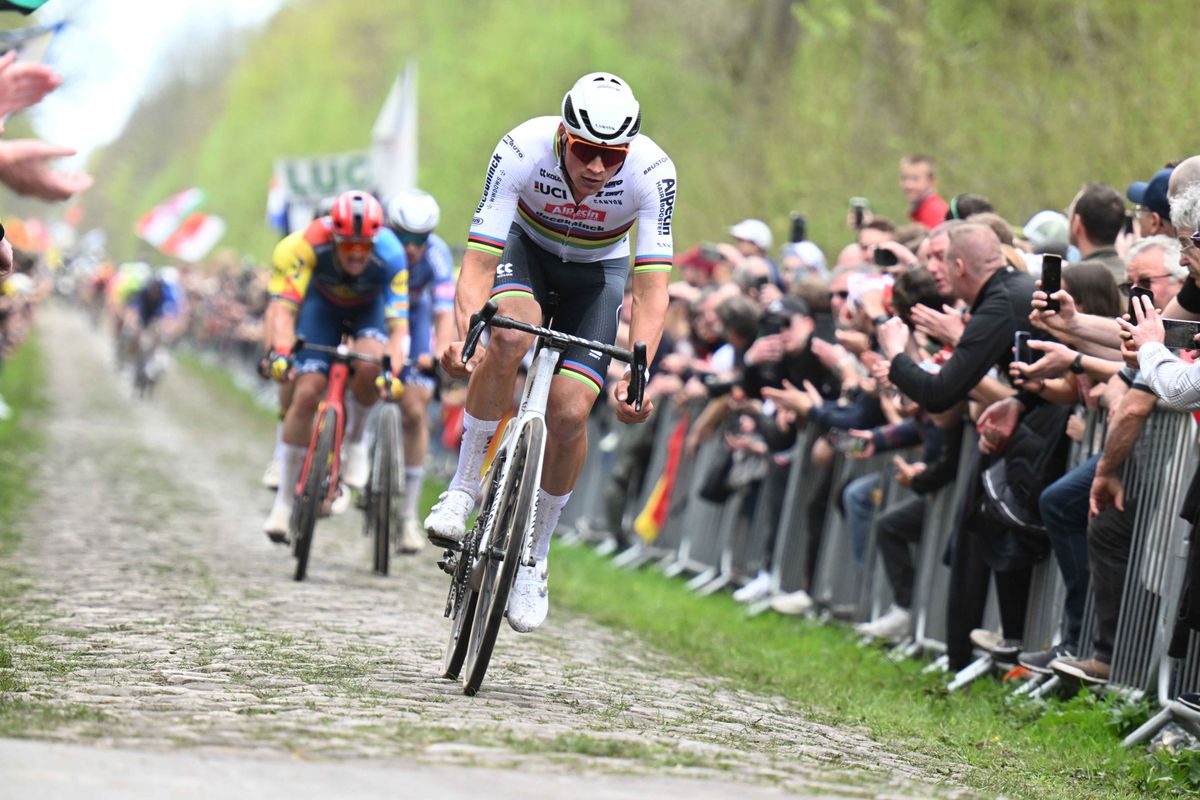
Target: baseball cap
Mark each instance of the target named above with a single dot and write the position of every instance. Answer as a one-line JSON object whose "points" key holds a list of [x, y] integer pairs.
{"points": [[1153, 193], [754, 231], [788, 306], [1047, 230]]}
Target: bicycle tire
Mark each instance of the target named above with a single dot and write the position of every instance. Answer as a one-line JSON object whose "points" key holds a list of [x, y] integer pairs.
{"points": [[316, 489], [383, 500], [518, 493]]}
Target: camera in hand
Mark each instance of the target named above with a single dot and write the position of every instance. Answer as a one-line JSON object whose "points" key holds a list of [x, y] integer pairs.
{"points": [[799, 227], [885, 258]]}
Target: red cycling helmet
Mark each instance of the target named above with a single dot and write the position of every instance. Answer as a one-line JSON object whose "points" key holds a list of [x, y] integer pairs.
{"points": [[356, 216]]}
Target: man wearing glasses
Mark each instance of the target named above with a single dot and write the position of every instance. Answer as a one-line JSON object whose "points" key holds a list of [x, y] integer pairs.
{"points": [[560, 196]]}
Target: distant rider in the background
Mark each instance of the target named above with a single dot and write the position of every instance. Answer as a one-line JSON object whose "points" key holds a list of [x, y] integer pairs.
{"points": [[412, 215]]}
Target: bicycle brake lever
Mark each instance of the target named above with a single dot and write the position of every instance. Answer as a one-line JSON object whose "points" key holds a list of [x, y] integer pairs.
{"points": [[297, 346], [637, 380], [479, 321]]}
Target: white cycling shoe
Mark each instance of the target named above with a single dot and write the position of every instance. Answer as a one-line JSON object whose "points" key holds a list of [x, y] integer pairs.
{"points": [[270, 478], [355, 469], [278, 523], [529, 601], [447, 520], [412, 538]]}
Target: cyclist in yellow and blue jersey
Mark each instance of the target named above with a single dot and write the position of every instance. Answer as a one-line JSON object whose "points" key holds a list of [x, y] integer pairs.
{"points": [[344, 271]]}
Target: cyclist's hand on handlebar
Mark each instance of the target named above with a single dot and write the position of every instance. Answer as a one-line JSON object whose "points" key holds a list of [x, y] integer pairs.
{"points": [[625, 410], [452, 360], [279, 366], [425, 363], [389, 385]]}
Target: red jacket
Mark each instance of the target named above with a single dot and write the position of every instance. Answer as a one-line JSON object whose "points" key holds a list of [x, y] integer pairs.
{"points": [[930, 212]]}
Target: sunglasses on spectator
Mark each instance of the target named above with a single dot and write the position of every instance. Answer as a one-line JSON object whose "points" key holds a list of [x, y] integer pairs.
{"points": [[1196, 239], [1143, 283], [844, 294], [587, 152], [413, 238]]}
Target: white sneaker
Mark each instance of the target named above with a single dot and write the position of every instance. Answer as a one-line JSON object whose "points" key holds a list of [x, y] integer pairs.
{"points": [[355, 469], [341, 503], [894, 626], [270, 477], [797, 602], [412, 538], [447, 520], [278, 523], [755, 590], [529, 601]]}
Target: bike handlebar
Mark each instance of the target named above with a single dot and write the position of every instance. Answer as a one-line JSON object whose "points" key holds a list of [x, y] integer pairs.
{"points": [[636, 359]]}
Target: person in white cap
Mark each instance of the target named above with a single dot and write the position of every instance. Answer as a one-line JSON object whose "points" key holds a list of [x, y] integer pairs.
{"points": [[752, 237]]}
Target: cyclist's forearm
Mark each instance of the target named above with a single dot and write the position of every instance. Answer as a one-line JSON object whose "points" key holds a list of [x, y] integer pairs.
{"points": [[443, 331], [397, 337], [474, 287], [283, 326], [646, 318]]}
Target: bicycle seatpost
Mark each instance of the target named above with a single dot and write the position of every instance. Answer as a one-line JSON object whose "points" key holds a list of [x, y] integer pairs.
{"points": [[637, 379], [479, 321]]}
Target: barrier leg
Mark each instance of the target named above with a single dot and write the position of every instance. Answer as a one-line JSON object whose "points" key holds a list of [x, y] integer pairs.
{"points": [[971, 673], [1149, 728]]}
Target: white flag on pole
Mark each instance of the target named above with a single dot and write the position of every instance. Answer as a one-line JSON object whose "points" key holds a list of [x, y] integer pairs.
{"points": [[394, 137]]}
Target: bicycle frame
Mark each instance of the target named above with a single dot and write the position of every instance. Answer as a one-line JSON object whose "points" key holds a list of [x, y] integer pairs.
{"points": [[335, 390], [532, 411]]}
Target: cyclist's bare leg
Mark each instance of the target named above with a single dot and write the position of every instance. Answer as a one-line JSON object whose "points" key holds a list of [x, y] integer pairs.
{"points": [[489, 394], [490, 391], [566, 418]]}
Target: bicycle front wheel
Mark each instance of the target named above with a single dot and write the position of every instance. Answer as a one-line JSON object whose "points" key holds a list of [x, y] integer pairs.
{"points": [[501, 553], [384, 485], [316, 489]]}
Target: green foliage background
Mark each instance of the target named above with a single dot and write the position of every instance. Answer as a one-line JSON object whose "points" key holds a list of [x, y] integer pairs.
{"points": [[767, 106]]}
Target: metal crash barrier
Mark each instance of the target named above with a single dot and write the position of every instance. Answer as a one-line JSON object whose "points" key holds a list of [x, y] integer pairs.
{"points": [[768, 525]]}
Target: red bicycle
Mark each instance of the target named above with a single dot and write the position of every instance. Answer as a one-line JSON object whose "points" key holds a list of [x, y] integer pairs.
{"points": [[318, 485]]}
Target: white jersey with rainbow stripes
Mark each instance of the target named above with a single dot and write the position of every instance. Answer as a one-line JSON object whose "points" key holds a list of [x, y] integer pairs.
{"points": [[526, 183]]}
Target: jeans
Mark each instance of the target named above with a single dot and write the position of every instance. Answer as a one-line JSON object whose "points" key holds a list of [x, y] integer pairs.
{"points": [[859, 498], [1110, 536], [1064, 507]]}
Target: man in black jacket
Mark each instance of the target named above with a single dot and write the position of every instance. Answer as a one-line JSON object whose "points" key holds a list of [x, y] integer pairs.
{"points": [[999, 300]]}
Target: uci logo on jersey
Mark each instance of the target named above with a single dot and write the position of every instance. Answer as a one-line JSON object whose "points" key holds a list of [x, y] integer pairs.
{"points": [[553, 191]]}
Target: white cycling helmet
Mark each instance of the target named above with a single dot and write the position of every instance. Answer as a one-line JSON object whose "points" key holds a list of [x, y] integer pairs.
{"points": [[414, 211], [601, 109]]}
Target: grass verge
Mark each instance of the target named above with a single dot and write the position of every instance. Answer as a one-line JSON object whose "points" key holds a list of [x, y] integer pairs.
{"points": [[1066, 749]]}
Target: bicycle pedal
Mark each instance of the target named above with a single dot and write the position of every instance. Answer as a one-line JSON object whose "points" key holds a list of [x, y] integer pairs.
{"points": [[448, 565]]}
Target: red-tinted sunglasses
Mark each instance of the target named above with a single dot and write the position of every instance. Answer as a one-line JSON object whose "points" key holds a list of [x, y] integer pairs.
{"points": [[587, 152], [351, 248]]}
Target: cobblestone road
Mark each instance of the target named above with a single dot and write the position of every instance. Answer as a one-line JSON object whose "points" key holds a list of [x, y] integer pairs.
{"points": [[168, 621]]}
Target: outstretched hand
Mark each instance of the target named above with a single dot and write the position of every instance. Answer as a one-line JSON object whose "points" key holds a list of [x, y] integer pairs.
{"points": [[25, 168]]}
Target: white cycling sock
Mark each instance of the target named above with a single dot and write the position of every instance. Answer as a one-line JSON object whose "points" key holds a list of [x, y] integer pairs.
{"points": [[290, 464], [545, 520], [356, 419], [477, 435], [413, 478], [278, 455]]}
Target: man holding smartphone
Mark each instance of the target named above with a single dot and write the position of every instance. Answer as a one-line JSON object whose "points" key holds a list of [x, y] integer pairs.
{"points": [[999, 299]]}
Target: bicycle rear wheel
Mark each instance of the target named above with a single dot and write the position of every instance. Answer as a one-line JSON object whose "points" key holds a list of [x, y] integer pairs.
{"points": [[501, 554], [316, 489], [383, 492]]}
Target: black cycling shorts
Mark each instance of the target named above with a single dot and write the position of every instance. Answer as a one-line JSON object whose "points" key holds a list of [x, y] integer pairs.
{"points": [[589, 299]]}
